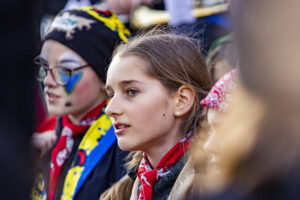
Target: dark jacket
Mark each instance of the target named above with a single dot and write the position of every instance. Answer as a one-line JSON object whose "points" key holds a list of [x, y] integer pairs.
{"points": [[106, 171]]}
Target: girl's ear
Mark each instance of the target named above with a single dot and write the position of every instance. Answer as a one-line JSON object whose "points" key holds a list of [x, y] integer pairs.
{"points": [[184, 100], [102, 86]]}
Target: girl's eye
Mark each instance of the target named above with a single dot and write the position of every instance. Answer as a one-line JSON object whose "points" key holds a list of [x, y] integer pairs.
{"points": [[131, 92]]}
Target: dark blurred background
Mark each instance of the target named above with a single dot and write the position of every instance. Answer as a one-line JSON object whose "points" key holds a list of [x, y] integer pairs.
{"points": [[18, 47]]}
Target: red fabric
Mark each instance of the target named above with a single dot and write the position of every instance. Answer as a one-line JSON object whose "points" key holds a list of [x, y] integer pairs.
{"points": [[149, 176], [220, 94], [41, 110], [63, 148], [48, 125]]}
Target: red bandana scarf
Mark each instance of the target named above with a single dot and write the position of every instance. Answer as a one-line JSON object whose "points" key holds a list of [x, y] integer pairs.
{"points": [[149, 176], [220, 94], [64, 146]]}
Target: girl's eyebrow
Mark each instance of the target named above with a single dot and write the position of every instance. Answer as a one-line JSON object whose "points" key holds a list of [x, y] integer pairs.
{"points": [[124, 83], [127, 82], [68, 57], [43, 60], [68, 61]]}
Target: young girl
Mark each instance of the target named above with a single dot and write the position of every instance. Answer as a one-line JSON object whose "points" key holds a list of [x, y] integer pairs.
{"points": [[260, 138], [231, 141], [217, 104], [204, 153], [155, 84], [85, 160]]}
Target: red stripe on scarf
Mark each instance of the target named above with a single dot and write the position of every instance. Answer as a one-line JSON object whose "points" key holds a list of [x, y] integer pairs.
{"points": [[48, 125], [149, 176], [63, 148]]}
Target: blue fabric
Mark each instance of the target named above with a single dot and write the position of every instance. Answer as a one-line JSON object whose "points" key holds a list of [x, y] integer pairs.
{"points": [[222, 19], [96, 155]]}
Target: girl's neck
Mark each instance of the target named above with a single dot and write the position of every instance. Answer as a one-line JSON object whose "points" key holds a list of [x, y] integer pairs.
{"points": [[156, 153], [77, 117]]}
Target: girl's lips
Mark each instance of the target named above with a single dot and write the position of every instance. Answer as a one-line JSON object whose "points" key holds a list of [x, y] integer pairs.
{"points": [[51, 98], [120, 128]]}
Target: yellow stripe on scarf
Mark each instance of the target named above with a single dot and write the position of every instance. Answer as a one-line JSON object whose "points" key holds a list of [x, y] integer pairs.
{"points": [[88, 143]]}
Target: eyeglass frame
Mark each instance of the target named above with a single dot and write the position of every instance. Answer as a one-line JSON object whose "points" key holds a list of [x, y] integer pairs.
{"points": [[35, 61]]}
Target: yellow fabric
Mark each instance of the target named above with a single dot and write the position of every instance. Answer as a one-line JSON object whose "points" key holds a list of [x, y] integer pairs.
{"points": [[112, 22], [88, 143]]}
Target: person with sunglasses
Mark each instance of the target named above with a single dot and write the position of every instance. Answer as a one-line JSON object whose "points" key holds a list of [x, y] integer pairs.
{"points": [[83, 158]]}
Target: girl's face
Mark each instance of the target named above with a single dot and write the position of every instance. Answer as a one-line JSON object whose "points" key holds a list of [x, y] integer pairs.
{"points": [[211, 146], [141, 108], [81, 94], [124, 6]]}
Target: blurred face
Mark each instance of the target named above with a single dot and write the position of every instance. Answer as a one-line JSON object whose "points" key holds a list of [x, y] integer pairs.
{"points": [[141, 108], [263, 59], [124, 6], [221, 68], [81, 94], [211, 146]]}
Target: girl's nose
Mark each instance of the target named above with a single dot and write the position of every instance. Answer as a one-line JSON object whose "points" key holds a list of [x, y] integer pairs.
{"points": [[49, 80], [211, 145], [113, 108]]}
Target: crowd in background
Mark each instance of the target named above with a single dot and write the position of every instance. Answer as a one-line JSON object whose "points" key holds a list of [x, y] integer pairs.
{"points": [[150, 99]]}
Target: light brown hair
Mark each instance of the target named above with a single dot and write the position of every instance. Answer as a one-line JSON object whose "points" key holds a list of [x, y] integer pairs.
{"points": [[224, 52]]}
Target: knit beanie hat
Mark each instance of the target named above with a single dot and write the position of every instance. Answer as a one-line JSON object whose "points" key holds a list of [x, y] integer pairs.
{"points": [[91, 33], [219, 96]]}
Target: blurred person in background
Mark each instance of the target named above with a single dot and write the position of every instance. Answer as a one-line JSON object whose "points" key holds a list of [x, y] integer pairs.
{"points": [[259, 141], [221, 58], [233, 139], [47, 10], [205, 150], [82, 158], [124, 7], [222, 55], [177, 14], [216, 104], [206, 28]]}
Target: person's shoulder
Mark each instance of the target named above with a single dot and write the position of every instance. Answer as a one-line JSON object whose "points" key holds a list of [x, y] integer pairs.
{"points": [[183, 181]]}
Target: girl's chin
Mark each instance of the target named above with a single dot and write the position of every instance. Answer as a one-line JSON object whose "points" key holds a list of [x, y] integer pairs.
{"points": [[123, 147], [57, 112], [126, 147]]}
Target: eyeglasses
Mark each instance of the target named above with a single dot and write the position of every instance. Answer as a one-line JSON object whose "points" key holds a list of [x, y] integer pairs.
{"points": [[61, 75]]}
